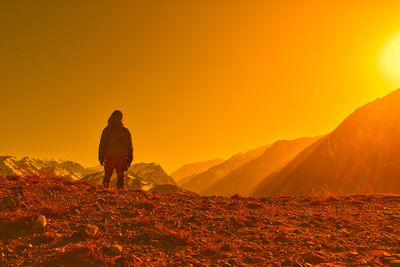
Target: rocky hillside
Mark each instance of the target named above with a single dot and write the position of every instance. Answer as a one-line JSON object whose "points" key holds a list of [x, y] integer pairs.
{"points": [[201, 181], [362, 155], [140, 175], [31, 166], [85, 225], [193, 169], [244, 179]]}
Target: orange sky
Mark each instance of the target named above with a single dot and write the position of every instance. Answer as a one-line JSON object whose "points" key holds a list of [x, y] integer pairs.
{"points": [[196, 80]]}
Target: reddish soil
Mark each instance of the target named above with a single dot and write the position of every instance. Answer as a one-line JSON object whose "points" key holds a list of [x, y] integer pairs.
{"points": [[177, 229]]}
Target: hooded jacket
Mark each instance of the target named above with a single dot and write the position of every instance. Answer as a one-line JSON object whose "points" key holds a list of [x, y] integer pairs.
{"points": [[116, 140]]}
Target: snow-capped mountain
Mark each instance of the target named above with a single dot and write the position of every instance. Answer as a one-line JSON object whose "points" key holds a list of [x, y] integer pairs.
{"points": [[31, 166], [141, 175]]}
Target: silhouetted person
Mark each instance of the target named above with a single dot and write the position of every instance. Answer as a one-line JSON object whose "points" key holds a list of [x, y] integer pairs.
{"points": [[115, 150]]}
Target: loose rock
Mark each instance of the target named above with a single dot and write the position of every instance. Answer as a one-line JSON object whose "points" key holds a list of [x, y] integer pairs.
{"points": [[312, 258], [116, 249], [385, 254], [40, 222], [90, 230]]}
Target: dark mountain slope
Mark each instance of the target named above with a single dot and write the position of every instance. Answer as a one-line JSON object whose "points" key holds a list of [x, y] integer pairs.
{"points": [[244, 179], [361, 155], [199, 182], [192, 169]]}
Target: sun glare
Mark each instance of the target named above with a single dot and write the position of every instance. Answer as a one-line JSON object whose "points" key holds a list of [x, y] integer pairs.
{"points": [[390, 59]]}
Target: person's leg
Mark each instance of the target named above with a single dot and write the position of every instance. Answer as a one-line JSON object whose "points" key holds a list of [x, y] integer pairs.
{"points": [[120, 179], [108, 171], [121, 168]]}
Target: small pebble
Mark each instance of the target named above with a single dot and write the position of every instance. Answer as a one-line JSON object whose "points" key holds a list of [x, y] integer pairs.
{"points": [[116, 249]]}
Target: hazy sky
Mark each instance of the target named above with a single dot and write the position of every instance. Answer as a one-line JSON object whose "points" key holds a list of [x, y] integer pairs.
{"points": [[196, 80]]}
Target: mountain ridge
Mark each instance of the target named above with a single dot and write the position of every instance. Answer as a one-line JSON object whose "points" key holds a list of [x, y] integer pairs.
{"points": [[243, 179], [24, 166], [140, 175], [199, 182], [191, 169], [362, 154]]}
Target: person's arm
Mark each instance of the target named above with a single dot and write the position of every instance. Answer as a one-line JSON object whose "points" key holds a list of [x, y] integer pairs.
{"points": [[130, 148], [103, 147]]}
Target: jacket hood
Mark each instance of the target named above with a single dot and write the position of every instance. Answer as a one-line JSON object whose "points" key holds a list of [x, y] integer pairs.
{"points": [[115, 119]]}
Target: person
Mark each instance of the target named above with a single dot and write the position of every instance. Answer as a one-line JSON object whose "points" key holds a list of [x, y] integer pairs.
{"points": [[115, 150]]}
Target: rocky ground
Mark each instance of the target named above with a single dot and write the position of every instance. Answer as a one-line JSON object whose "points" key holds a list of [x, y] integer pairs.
{"points": [[84, 225]]}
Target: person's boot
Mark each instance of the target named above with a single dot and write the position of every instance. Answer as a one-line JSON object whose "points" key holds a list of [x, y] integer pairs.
{"points": [[106, 185], [120, 184]]}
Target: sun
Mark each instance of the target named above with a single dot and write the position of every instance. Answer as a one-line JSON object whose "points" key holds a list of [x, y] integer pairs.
{"points": [[390, 58]]}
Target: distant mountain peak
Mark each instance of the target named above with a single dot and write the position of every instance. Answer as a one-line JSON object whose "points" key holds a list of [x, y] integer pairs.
{"points": [[194, 168], [198, 182], [26, 166]]}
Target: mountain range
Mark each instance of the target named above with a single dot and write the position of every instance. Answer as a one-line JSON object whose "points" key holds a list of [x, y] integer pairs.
{"points": [[147, 176], [245, 178], [362, 155], [199, 182], [192, 169], [31, 166]]}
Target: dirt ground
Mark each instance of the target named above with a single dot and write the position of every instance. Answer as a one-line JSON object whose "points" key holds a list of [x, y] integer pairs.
{"points": [[89, 226]]}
